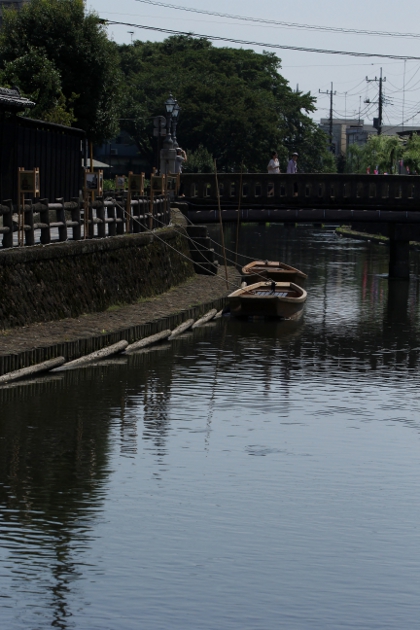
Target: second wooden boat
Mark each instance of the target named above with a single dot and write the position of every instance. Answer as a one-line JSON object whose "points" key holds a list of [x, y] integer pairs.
{"points": [[268, 299], [259, 270]]}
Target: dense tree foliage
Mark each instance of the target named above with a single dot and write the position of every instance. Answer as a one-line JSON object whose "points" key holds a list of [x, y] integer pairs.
{"points": [[384, 154], [236, 106], [62, 58], [234, 103]]}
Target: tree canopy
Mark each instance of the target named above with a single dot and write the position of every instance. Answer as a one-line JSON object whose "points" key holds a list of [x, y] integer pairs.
{"points": [[62, 58], [236, 106], [384, 154], [234, 103]]}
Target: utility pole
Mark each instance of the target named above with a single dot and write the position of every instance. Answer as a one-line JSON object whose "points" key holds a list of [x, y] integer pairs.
{"points": [[331, 93], [380, 102]]}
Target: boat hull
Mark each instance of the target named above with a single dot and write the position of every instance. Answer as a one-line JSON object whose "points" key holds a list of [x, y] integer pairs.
{"points": [[247, 303], [259, 270]]}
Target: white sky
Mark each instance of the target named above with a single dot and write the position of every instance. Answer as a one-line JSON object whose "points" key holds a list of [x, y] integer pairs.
{"points": [[311, 71]]}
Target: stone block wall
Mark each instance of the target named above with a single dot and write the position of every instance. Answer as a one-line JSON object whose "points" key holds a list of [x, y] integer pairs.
{"points": [[44, 283]]}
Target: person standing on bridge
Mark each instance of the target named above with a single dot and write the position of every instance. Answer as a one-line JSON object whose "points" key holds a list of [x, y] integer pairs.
{"points": [[180, 158], [273, 165], [292, 165]]}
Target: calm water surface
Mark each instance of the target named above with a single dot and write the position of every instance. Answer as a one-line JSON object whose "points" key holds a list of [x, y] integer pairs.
{"points": [[250, 475]]}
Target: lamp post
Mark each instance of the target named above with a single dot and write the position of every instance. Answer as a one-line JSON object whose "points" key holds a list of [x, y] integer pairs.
{"points": [[175, 115], [170, 144], [169, 107]]}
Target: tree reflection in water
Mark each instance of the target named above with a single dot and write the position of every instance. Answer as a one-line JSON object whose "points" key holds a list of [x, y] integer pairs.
{"points": [[55, 434]]}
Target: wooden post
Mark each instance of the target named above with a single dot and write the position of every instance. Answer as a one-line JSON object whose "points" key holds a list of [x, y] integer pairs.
{"points": [[128, 210], [150, 219], [61, 219], [100, 213], [222, 236], [85, 213], [28, 182], [112, 225], [44, 215], [28, 221], [239, 214], [93, 185], [76, 220], [8, 223], [21, 202]]}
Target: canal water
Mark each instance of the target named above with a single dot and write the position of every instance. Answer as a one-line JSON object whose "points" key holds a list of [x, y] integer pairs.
{"points": [[250, 475]]}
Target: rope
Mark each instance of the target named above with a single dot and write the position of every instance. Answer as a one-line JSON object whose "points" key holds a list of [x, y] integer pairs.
{"points": [[196, 244], [231, 251], [170, 246]]}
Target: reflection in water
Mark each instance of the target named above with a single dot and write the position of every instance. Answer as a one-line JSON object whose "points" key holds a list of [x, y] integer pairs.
{"points": [[128, 494], [52, 469]]}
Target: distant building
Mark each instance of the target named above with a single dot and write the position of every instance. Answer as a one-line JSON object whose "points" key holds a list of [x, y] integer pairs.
{"points": [[347, 131], [122, 155]]}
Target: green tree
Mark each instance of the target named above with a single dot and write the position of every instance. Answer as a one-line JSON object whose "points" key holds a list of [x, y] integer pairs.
{"points": [[199, 161], [380, 152], [42, 83], [411, 154], [234, 102], [76, 66]]}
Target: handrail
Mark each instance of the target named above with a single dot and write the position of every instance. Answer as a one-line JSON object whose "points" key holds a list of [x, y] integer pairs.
{"points": [[59, 221], [303, 190]]}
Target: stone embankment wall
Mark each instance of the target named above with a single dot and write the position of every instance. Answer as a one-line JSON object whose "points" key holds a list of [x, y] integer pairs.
{"points": [[39, 284]]}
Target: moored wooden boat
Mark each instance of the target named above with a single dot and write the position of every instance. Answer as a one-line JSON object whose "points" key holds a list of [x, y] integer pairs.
{"points": [[258, 270], [269, 299]]}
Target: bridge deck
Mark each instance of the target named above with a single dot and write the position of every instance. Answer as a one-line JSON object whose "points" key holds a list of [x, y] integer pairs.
{"points": [[304, 197]]}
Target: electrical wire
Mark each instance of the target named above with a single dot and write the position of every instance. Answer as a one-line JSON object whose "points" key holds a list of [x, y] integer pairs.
{"points": [[313, 27], [260, 44]]}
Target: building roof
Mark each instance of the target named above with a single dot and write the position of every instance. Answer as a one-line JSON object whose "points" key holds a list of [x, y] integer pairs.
{"points": [[11, 100]]}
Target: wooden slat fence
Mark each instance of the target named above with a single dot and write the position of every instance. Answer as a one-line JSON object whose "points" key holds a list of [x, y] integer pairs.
{"points": [[60, 221]]}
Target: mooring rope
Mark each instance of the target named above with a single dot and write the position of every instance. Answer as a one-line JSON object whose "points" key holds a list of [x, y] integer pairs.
{"points": [[147, 229], [231, 251], [196, 245]]}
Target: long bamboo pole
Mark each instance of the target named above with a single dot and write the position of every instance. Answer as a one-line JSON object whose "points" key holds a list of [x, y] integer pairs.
{"points": [[239, 214], [222, 236]]}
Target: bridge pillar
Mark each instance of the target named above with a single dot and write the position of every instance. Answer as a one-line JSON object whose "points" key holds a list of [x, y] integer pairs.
{"points": [[399, 253]]}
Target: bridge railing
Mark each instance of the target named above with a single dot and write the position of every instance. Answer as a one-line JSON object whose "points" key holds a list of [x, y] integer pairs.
{"points": [[45, 222], [303, 190]]}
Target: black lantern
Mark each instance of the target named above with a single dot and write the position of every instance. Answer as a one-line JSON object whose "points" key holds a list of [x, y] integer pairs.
{"points": [[169, 106]]}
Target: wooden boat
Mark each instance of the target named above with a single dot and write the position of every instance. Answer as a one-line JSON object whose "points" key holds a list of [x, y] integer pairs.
{"points": [[258, 270], [269, 299]]}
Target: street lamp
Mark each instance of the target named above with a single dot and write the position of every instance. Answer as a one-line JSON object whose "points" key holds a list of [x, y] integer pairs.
{"points": [[175, 114], [169, 106]]}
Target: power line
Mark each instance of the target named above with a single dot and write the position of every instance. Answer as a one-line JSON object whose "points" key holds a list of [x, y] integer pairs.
{"points": [[331, 94], [333, 29], [380, 101], [251, 43]]}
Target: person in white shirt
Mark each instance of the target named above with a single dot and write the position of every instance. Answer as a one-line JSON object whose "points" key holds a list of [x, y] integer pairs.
{"points": [[180, 158], [273, 165], [292, 165]]}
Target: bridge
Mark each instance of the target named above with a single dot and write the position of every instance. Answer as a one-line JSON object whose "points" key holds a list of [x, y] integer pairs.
{"points": [[374, 200]]}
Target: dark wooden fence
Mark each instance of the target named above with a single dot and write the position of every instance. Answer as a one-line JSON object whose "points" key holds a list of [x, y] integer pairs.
{"points": [[55, 149], [60, 221]]}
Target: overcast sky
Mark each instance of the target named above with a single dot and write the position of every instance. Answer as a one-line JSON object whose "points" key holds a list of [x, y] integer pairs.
{"points": [[310, 71]]}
